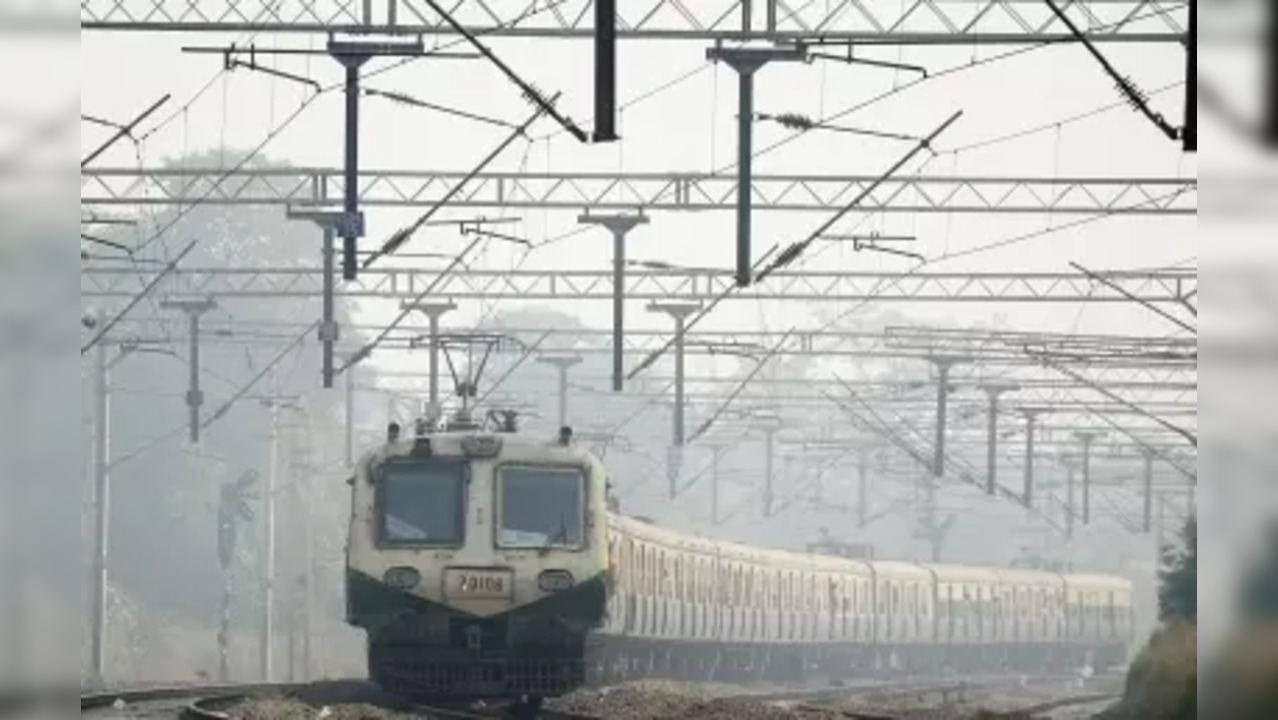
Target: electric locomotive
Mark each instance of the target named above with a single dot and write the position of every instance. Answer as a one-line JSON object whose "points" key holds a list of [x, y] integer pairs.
{"points": [[477, 559]]}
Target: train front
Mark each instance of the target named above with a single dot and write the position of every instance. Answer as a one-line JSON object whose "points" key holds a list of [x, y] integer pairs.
{"points": [[477, 563]]}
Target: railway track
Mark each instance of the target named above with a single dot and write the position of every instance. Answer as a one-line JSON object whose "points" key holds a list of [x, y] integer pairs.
{"points": [[212, 702]]}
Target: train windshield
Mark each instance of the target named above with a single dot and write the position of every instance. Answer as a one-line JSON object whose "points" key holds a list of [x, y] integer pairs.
{"points": [[541, 507], [421, 502]]}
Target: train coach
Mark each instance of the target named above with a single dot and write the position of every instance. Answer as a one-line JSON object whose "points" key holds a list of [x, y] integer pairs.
{"points": [[484, 562]]}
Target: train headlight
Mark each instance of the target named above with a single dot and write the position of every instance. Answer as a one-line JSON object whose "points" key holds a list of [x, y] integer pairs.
{"points": [[402, 578], [555, 581]]}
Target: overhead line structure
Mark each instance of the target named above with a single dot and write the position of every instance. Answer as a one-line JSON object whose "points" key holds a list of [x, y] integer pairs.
{"points": [[652, 191], [844, 345], [897, 386], [978, 345], [1013, 22], [1161, 287]]}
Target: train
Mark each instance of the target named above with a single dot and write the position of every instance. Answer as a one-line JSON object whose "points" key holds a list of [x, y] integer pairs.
{"points": [[483, 561]]}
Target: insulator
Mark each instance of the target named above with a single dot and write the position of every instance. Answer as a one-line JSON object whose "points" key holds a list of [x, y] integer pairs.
{"points": [[1134, 95], [795, 121]]}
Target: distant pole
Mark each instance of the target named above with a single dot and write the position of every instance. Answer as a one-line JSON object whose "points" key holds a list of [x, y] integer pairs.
{"points": [[1071, 472], [194, 309], [268, 572], [862, 490], [1148, 515], [1087, 438], [943, 366], [714, 486], [680, 313], [769, 497], [561, 365], [102, 506], [1031, 418], [433, 312], [994, 391], [620, 226], [349, 409]]}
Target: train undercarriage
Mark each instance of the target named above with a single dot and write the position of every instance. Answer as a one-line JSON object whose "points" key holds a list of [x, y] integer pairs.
{"points": [[426, 650]]}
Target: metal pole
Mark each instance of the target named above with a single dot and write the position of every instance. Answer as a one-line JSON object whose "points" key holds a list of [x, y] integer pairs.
{"points": [[328, 331], [745, 174], [605, 71], [102, 490], [434, 361], [618, 308], [746, 62], [268, 574], [562, 364], [350, 192], [433, 311], [620, 226], [680, 313]]}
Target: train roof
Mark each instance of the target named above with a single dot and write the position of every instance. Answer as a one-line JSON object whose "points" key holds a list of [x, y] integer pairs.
{"points": [[965, 574], [900, 570], [452, 442]]}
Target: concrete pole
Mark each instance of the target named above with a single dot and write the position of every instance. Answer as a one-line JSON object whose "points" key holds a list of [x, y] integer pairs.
{"points": [[994, 391], [562, 364], [433, 312], [102, 506], [620, 226]]}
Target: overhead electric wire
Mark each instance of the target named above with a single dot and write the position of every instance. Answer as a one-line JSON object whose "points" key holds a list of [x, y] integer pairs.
{"points": [[935, 76], [369, 347], [402, 235], [133, 302], [182, 212]]}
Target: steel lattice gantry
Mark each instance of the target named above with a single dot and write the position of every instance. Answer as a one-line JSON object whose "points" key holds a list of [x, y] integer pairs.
{"points": [[672, 191], [1175, 357], [867, 21], [1164, 287]]}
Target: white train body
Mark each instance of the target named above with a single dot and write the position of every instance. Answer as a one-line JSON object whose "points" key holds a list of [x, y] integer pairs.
{"points": [[490, 563]]}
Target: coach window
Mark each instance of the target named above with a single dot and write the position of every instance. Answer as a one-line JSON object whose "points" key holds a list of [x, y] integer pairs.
{"points": [[541, 507], [420, 502]]}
